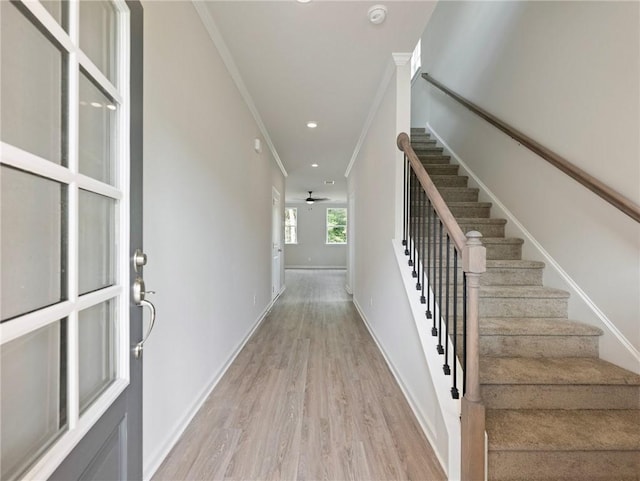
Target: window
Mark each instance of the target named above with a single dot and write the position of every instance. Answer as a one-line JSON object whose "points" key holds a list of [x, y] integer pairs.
{"points": [[416, 59], [291, 225], [336, 226]]}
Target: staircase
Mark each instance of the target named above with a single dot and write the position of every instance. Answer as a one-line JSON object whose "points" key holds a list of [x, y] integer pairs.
{"points": [[554, 410]]}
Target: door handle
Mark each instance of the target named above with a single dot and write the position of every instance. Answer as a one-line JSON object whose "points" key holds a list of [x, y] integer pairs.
{"points": [[139, 294], [137, 351]]}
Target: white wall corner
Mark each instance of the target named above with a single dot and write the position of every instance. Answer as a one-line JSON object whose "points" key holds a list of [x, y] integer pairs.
{"points": [[403, 124], [216, 37], [375, 105]]}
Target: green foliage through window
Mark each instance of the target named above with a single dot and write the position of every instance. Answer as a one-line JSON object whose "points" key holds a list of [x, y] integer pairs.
{"points": [[336, 226], [291, 225]]}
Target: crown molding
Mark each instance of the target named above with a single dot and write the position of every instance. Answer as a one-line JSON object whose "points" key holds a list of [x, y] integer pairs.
{"points": [[227, 58]]}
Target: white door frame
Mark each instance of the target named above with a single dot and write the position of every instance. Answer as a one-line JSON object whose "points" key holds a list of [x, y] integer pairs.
{"points": [[276, 243]]}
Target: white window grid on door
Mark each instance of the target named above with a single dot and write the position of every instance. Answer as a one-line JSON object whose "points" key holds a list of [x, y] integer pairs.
{"points": [[78, 424]]}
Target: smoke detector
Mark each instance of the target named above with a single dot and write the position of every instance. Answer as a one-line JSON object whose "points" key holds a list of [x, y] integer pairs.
{"points": [[377, 14]]}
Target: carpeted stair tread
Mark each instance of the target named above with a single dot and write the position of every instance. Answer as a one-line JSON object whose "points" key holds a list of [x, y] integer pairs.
{"points": [[563, 430], [535, 326], [559, 371]]}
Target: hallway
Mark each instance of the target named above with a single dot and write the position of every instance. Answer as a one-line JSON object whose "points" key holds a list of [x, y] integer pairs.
{"points": [[308, 398]]}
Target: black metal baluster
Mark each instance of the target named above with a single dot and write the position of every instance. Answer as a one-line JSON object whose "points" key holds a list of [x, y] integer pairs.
{"points": [[414, 218], [405, 206], [420, 221], [423, 205], [447, 332], [464, 331], [428, 266], [434, 329], [411, 210], [440, 348], [454, 388]]}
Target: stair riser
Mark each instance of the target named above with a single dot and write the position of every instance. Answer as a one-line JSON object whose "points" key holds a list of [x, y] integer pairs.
{"points": [[539, 346], [514, 307], [564, 465], [449, 180], [442, 169], [460, 195], [465, 211], [511, 396], [487, 230], [471, 211], [422, 143], [433, 158], [504, 251], [492, 277], [522, 307], [428, 150]]}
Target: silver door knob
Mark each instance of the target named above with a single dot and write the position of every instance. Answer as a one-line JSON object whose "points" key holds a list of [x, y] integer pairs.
{"points": [[138, 296], [137, 351]]}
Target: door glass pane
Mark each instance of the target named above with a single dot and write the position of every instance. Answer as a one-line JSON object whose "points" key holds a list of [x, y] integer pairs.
{"points": [[33, 236], [96, 242], [30, 87], [96, 335], [33, 398], [59, 10], [97, 132], [98, 35]]}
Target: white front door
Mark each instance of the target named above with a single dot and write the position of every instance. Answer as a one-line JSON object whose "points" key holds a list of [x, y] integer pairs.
{"points": [[276, 243], [66, 365]]}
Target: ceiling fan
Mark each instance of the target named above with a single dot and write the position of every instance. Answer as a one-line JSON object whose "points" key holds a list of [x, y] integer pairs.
{"points": [[311, 199]]}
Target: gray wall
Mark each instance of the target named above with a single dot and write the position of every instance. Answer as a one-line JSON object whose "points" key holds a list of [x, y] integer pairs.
{"points": [[312, 250], [207, 220]]}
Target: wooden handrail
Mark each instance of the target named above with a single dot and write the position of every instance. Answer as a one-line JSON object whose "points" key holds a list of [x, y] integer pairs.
{"points": [[440, 206], [616, 199]]}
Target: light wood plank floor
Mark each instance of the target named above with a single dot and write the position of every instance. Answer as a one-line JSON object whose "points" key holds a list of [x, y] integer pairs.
{"points": [[308, 398]]}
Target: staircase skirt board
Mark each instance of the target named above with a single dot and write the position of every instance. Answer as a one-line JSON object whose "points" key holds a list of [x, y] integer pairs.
{"points": [[555, 411]]}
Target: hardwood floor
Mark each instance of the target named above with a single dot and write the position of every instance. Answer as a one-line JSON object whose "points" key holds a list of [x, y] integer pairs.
{"points": [[308, 398]]}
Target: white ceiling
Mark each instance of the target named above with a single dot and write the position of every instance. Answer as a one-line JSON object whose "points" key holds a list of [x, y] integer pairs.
{"points": [[319, 61]]}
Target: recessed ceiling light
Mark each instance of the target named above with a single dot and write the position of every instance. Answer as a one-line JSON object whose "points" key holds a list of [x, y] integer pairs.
{"points": [[314, 165], [303, 1], [329, 182], [111, 107], [312, 125], [96, 104]]}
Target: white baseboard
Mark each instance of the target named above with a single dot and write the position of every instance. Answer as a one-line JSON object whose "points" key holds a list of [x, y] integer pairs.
{"points": [[549, 260], [341, 268], [161, 453]]}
